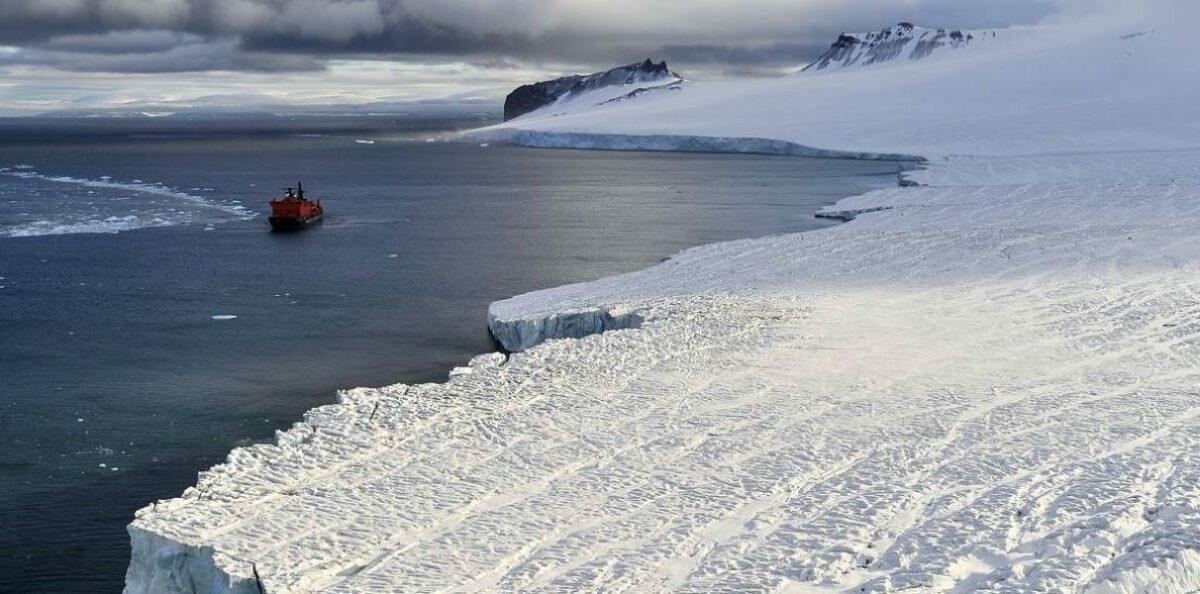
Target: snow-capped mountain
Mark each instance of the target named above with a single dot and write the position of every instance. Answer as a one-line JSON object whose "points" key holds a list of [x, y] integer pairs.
{"points": [[903, 41], [531, 97], [1069, 85]]}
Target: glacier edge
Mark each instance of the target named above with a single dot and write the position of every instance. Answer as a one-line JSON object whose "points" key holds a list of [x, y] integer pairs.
{"points": [[682, 143]]}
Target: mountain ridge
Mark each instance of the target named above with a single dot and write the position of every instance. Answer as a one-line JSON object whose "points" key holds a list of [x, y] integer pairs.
{"points": [[534, 96], [902, 40]]}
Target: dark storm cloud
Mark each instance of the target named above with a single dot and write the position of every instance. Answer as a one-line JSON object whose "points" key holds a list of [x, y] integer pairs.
{"points": [[775, 54], [270, 35], [404, 35], [195, 57], [123, 42]]}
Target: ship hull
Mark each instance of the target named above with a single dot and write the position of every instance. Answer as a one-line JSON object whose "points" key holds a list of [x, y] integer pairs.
{"points": [[293, 223]]}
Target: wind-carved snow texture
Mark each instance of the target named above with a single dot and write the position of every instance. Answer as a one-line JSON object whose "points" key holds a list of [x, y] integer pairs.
{"points": [[988, 386], [987, 382]]}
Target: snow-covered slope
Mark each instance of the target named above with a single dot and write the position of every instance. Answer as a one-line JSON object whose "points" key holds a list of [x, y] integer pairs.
{"points": [[1087, 85], [903, 41], [587, 87], [986, 382]]}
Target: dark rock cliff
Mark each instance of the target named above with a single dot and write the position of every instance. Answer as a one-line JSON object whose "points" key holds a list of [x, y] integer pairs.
{"points": [[530, 97]]}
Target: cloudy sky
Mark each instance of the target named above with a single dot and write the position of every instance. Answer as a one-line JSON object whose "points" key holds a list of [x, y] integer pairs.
{"points": [[70, 54]]}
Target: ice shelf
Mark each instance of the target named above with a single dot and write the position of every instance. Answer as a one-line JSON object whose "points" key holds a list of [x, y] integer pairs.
{"points": [[984, 382]]}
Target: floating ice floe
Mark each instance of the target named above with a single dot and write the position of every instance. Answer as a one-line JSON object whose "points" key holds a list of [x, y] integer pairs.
{"points": [[115, 223], [112, 224]]}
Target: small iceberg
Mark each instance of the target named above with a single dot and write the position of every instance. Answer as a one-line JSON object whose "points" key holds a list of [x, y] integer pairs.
{"points": [[224, 317], [361, 141]]}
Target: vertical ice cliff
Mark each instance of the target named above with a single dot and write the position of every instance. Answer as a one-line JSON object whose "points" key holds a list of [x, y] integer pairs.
{"points": [[160, 565], [524, 331]]}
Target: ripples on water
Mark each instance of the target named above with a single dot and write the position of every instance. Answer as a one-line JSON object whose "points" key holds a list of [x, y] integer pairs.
{"points": [[151, 322]]}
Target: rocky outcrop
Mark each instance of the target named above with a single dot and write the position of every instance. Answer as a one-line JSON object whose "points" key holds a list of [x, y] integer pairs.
{"points": [[528, 98]]}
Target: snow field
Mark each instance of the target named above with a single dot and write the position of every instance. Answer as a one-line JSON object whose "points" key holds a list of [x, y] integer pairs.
{"points": [[988, 382], [983, 388]]}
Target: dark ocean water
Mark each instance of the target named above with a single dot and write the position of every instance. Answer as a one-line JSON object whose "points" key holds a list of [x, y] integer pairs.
{"points": [[117, 384]]}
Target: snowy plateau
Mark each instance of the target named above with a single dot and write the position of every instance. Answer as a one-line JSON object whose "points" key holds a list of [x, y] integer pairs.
{"points": [[986, 381]]}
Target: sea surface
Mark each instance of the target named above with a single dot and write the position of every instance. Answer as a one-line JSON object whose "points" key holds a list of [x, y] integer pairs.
{"points": [[149, 321]]}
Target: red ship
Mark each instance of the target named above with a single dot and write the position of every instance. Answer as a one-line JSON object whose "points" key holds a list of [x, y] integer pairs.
{"points": [[294, 211]]}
